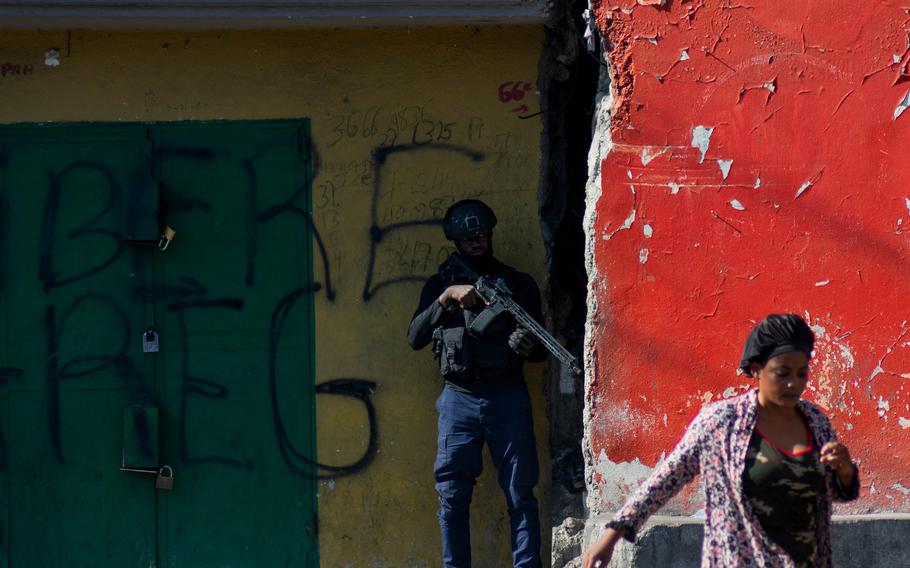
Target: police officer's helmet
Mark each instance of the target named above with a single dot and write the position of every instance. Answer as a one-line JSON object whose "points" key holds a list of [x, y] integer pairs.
{"points": [[468, 218]]}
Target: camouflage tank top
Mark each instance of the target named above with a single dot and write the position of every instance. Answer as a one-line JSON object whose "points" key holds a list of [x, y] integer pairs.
{"points": [[784, 490]]}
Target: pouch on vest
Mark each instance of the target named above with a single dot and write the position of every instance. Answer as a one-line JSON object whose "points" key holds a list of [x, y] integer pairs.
{"points": [[484, 319], [455, 355]]}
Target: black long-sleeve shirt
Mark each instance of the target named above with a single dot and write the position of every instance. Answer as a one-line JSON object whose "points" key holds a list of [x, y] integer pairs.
{"points": [[494, 364]]}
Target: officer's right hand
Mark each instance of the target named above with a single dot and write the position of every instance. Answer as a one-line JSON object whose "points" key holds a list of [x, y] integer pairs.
{"points": [[464, 295]]}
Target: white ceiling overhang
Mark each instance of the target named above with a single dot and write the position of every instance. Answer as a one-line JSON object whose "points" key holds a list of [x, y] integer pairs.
{"points": [[235, 14]]}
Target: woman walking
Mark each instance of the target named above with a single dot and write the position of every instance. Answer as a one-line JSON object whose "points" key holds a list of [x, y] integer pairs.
{"points": [[770, 464]]}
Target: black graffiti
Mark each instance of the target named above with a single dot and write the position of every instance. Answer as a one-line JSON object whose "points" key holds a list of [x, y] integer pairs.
{"points": [[252, 197], [190, 296], [58, 370], [377, 233], [290, 207], [99, 224], [360, 389], [298, 461], [56, 187], [251, 188], [208, 155]]}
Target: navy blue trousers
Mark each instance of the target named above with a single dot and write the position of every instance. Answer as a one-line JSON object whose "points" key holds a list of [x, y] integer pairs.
{"points": [[503, 421]]}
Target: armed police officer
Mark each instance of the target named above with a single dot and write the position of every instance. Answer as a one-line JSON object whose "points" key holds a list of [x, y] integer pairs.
{"points": [[481, 353]]}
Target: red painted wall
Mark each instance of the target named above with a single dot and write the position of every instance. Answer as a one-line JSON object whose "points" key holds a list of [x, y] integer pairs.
{"points": [[759, 164]]}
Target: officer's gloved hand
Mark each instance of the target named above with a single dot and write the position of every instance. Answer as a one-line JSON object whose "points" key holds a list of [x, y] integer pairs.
{"points": [[522, 342]]}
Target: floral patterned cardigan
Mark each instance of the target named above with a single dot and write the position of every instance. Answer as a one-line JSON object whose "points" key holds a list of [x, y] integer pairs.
{"points": [[715, 445]]}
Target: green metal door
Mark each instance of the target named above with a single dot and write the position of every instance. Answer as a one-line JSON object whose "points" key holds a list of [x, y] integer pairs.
{"points": [[236, 333], [68, 348], [81, 280]]}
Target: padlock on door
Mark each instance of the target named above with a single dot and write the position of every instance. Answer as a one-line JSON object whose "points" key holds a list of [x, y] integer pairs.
{"points": [[150, 342], [165, 478]]}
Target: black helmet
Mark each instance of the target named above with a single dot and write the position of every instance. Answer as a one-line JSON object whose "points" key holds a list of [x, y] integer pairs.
{"points": [[468, 218]]}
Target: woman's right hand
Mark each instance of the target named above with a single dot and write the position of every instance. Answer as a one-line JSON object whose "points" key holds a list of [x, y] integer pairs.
{"points": [[600, 553]]}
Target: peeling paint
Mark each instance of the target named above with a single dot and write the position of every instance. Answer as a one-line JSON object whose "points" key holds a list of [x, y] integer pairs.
{"points": [[683, 54], [601, 146], [900, 487], [701, 139], [883, 406], [616, 481], [876, 372], [627, 224], [648, 231], [803, 188], [902, 106], [847, 358], [643, 255], [796, 138], [649, 153]]}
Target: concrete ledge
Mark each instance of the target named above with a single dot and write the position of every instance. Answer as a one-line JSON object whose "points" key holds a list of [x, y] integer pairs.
{"points": [[860, 541]]}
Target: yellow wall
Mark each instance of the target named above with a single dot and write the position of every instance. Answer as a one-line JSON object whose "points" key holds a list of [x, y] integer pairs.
{"points": [[363, 90]]}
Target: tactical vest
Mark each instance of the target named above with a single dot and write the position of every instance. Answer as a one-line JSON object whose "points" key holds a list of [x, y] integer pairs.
{"points": [[471, 345]]}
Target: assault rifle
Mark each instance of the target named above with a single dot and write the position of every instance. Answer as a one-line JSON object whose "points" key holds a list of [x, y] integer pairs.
{"points": [[499, 299]]}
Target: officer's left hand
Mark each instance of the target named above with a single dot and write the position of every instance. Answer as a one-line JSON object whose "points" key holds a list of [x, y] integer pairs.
{"points": [[522, 342]]}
